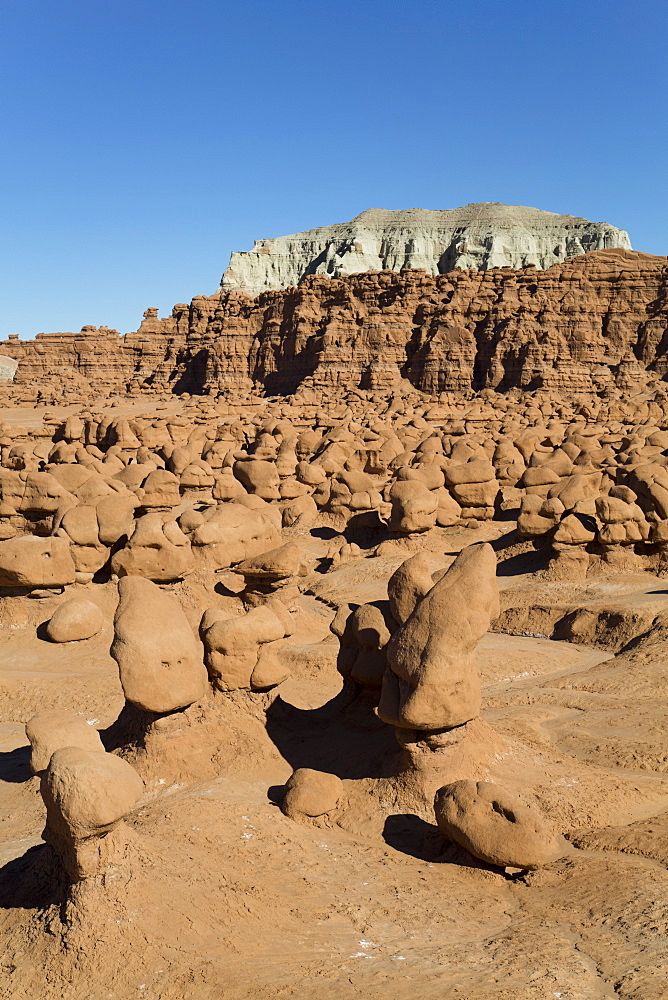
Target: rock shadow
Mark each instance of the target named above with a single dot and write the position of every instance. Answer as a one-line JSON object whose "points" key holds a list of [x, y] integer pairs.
{"points": [[41, 632], [343, 737], [34, 881], [409, 834], [129, 729], [413, 836], [15, 765], [522, 563]]}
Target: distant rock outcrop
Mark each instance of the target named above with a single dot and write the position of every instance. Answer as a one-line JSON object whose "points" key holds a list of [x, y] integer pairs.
{"points": [[479, 236]]}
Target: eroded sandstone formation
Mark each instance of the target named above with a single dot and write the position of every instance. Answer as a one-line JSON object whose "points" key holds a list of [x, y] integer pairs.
{"points": [[288, 599], [592, 322], [215, 542]]}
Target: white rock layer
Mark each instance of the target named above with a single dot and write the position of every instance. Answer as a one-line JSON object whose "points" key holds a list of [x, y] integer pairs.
{"points": [[480, 236]]}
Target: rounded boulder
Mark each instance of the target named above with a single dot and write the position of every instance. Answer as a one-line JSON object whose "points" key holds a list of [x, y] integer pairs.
{"points": [[51, 731], [311, 793], [495, 824], [89, 791], [78, 618]]}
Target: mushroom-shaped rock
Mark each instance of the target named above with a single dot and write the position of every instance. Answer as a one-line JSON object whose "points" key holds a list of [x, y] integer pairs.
{"points": [[280, 563], [231, 533], [311, 793], [227, 486], [159, 659], [467, 473], [363, 635], [115, 517], [77, 618], [160, 490], [157, 550], [473, 486], [32, 561], [131, 476], [86, 794], [79, 525], [302, 512], [575, 530], [51, 731], [432, 682], [291, 488], [42, 495], [573, 489], [179, 460], [258, 477], [197, 481], [71, 477], [310, 473], [431, 475], [497, 825], [449, 511]]}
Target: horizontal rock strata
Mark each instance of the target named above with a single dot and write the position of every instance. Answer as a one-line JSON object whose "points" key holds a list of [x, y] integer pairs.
{"points": [[478, 236], [596, 320]]}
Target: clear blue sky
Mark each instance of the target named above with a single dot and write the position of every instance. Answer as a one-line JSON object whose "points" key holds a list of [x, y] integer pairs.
{"points": [[143, 141]]}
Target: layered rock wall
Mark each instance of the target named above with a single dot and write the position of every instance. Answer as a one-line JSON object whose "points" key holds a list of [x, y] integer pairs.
{"points": [[475, 237], [567, 327], [586, 323], [99, 358]]}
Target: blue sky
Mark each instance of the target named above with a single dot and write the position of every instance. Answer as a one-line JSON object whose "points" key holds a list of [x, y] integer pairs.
{"points": [[143, 141]]}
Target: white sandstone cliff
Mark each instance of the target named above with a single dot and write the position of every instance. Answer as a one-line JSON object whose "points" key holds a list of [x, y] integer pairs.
{"points": [[480, 236]]}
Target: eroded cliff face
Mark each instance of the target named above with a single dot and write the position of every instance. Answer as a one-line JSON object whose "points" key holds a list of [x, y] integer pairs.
{"points": [[569, 327], [474, 237], [595, 320], [100, 358]]}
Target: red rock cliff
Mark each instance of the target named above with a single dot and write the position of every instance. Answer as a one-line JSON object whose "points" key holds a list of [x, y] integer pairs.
{"points": [[566, 327]]}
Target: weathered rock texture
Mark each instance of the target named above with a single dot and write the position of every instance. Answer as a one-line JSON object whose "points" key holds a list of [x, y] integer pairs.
{"points": [[577, 326], [479, 236]]}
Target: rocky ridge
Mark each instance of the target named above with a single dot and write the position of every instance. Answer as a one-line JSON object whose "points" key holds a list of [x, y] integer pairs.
{"points": [[478, 236], [595, 321]]}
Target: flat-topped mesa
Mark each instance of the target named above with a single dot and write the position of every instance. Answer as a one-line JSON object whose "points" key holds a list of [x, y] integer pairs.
{"points": [[477, 237]]}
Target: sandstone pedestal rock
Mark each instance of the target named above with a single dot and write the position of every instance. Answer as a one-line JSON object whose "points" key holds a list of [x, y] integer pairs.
{"points": [[432, 681], [86, 795], [241, 650], [363, 636]]}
